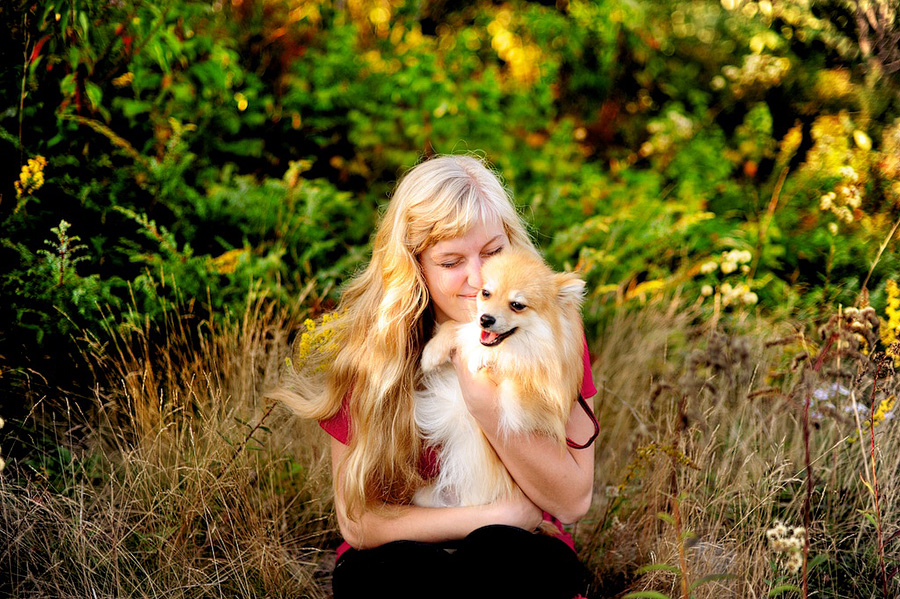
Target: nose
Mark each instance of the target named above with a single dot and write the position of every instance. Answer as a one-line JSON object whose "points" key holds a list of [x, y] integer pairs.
{"points": [[474, 275], [487, 321]]}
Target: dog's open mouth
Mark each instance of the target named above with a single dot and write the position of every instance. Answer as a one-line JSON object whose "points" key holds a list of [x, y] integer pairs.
{"points": [[490, 338]]}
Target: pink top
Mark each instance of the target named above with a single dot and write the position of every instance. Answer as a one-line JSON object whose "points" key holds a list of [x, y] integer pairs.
{"points": [[338, 426]]}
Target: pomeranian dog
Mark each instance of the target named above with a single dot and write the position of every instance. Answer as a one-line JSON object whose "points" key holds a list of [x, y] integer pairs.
{"points": [[527, 335]]}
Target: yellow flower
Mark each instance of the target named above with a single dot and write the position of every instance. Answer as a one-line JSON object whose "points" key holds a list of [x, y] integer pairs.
{"points": [[885, 408], [863, 141], [242, 102], [227, 262], [890, 328], [31, 177], [316, 344], [124, 80]]}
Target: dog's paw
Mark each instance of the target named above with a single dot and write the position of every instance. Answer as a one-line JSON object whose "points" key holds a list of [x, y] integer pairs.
{"points": [[434, 354]]}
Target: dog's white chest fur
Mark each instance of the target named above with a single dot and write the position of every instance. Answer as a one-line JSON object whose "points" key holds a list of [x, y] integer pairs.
{"points": [[444, 419]]}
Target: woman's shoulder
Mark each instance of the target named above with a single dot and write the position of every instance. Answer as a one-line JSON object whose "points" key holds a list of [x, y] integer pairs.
{"points": [[338, 426]]}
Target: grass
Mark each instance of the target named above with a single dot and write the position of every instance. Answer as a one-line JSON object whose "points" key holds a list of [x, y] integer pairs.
{"points": [[182, 481]]}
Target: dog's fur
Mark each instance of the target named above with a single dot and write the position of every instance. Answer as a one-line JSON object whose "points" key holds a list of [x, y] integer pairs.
{"points": [[527, 334]]}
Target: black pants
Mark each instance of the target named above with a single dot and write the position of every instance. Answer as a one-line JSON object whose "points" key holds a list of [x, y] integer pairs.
{"points": [[492, 562]]}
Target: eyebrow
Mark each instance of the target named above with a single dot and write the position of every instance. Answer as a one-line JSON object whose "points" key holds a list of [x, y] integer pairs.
{"points": [[450, 253]]}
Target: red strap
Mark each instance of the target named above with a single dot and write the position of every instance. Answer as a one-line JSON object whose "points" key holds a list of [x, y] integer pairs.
{"points": [[593, 418]]}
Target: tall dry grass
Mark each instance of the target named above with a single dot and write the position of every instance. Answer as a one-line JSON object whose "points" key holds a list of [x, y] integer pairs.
{"points": [[740, 463], [172, 488], [184, 482]]}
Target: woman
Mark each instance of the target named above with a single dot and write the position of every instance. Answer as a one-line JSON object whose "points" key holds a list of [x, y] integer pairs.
{"points": [[446, 217]]}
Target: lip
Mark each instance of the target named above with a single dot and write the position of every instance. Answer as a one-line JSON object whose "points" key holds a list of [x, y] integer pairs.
{"points": [[500, 338]]}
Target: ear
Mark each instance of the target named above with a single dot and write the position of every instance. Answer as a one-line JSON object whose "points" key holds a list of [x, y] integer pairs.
{"points": [[571, 288]]}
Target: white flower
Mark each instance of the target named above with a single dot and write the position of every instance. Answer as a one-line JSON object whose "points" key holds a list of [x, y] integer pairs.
{"points": [[2, 464], [706, 290], [833, 228], [729, 267], [2, 422], [749, 298], [709, 267], [847, 172]]}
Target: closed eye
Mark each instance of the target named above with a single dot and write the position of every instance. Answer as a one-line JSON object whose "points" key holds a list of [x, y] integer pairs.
{"points": [[517, 307]]}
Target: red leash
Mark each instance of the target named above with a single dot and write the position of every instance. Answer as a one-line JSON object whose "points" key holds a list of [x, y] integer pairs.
{"points": [[590, 413]]}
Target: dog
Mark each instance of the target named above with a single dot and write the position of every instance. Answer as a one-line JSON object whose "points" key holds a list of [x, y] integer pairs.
{"points": [[527, 336]]}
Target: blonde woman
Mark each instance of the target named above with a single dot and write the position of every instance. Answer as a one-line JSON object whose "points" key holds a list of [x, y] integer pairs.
{"points": [[447, 216]]}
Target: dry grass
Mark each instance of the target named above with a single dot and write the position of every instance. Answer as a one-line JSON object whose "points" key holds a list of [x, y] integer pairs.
{"points": [[173, 490], [741, 461], [171, 495]]}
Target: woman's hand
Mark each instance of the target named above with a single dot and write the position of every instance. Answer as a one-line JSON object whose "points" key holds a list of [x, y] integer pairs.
{"points": [[479, 390], [519, 511]]}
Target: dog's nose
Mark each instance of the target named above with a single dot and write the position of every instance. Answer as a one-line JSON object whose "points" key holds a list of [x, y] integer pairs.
{"points": [[487, 320]]}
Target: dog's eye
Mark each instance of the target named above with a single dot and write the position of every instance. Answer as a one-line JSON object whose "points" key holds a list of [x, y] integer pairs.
{"points": [[516, 306], [485, 293]]}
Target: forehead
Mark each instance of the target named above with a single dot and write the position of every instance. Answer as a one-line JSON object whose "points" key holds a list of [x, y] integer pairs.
{"points": [[479, 235]]}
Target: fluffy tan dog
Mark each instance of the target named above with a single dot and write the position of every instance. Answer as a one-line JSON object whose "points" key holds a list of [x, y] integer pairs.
{"points": [[527, 334]]}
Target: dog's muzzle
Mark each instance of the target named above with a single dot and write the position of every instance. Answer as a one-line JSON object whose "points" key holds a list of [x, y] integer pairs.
{"points": [[490, 338]]}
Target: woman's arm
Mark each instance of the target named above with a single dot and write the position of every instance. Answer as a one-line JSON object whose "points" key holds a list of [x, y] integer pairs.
{"points": [[557, 479], [431, 525]]}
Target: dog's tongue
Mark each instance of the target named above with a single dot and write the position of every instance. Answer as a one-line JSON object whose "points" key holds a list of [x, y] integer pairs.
{"points": [[488, 337]]}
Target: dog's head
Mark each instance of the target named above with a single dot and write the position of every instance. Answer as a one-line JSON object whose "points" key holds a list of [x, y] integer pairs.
{"points": [[520, 293]]}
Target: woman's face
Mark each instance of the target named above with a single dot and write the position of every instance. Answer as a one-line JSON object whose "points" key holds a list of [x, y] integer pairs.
{"points": [[452, 269]]}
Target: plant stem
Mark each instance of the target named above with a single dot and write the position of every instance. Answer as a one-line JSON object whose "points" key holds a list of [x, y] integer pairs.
{"points": [[676, 503], [807, 503], [884, 245], [884, 579]]}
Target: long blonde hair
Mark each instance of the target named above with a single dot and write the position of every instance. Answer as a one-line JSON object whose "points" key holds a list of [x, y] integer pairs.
{"points": [[383, 323]]}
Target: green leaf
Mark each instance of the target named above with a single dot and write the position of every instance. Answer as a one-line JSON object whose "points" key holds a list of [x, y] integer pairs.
{"points": [[819, 559], [645, 595], [710, 578], [94, 93], [83, 21], [784, 588], [658, 567], [868, 516]]}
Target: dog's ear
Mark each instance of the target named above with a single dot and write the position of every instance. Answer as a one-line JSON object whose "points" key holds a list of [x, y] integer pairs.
{"points": [[571, 288]]}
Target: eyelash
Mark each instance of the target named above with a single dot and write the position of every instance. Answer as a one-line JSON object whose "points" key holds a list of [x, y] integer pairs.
{"points": [[457, 262]]}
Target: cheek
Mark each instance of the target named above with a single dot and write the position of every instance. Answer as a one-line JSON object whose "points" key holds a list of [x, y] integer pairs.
{"points": [[448, 283], [440, 283]]}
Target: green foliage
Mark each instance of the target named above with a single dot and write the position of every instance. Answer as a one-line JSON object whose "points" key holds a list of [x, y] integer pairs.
{"points": [[205, 153]]}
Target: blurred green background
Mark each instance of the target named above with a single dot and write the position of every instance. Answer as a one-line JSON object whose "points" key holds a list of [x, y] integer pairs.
{"points": [[188, 155]]}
